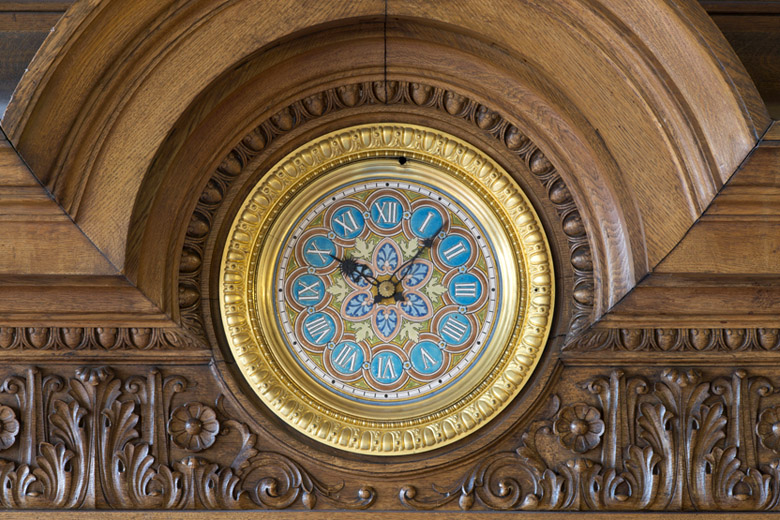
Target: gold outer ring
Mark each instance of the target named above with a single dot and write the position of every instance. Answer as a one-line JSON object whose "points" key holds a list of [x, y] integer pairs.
{"points": [[349, 155]]}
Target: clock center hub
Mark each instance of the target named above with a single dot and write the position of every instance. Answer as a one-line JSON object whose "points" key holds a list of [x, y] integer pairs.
{"points": [[386, 289]]}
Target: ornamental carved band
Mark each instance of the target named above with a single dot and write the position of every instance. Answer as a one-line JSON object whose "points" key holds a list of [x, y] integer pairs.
{"points": [[119, 438], [672, 441], [98, 439], [386, 289]]}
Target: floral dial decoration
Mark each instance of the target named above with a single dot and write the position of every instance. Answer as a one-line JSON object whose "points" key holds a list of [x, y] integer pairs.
{"points": [[385, 289]]}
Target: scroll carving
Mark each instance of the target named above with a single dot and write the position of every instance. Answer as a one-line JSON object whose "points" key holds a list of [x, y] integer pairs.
{"points": [[676, 441], [676, 340], [94, 440], [374, 93]]}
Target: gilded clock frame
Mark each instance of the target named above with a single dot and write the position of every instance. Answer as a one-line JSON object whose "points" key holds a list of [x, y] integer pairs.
{"points": [[261, 354]]}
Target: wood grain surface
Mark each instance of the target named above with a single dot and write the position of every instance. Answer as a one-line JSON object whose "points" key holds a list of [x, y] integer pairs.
{"points": [[727, 268], [633, 127]]}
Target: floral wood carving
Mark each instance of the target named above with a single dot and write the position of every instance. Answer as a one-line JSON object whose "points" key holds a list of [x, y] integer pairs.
{"points": [[676, 441], [95, 440], [95, 338], [676, 340], [394, 93]]}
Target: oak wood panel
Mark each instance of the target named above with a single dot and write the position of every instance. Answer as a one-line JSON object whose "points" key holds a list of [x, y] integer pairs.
{"points": [[41, 22], [728, 264], [581, 61], [14, 172], [730, 245], [308, 476], [35, 5], [16, 51], [23, 27], [36, 235], [50, 273], [698, 305], [773, 134], [699, 300], [751, 27], [78, 301], [741, 6]]}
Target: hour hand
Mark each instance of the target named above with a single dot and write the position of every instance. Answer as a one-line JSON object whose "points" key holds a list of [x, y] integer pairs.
{"points": [[353, 269]]}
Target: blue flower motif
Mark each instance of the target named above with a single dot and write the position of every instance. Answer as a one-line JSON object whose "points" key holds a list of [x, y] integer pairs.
{"points": [[415, 306], [387, 315], [358, 305], [360, 275], [416, 274], [386, 322], [386, 257]]}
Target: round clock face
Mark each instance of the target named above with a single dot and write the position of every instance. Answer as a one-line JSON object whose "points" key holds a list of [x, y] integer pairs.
{"points": [[386, 289]]}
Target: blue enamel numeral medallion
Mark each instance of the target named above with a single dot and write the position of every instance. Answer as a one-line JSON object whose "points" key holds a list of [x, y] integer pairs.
{"points": [[347, 222], [318, 250]]}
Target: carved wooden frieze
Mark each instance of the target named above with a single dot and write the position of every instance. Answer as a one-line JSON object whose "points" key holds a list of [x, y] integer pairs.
{"points": [[96, 338], [676, 340], [145, 438], [95, 438], [674, 440]]}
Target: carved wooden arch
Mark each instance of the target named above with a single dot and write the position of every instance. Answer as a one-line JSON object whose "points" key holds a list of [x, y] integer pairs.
{"points": [[114, 122]]}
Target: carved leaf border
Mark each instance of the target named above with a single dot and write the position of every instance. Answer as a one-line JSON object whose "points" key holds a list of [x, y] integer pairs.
{"points": [[676, 340], [96, 338]]}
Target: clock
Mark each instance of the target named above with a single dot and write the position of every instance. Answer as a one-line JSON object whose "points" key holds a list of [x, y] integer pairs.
{"points": [[386, 289]]}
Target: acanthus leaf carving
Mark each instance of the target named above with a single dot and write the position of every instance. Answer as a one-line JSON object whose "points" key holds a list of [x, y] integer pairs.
{"points": [[676, 441], [90, 449]]}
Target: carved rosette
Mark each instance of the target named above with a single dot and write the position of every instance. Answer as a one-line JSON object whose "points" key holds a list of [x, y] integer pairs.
{"points": [[193, 427], [9, 427], [579, 427], [768, 429]]}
